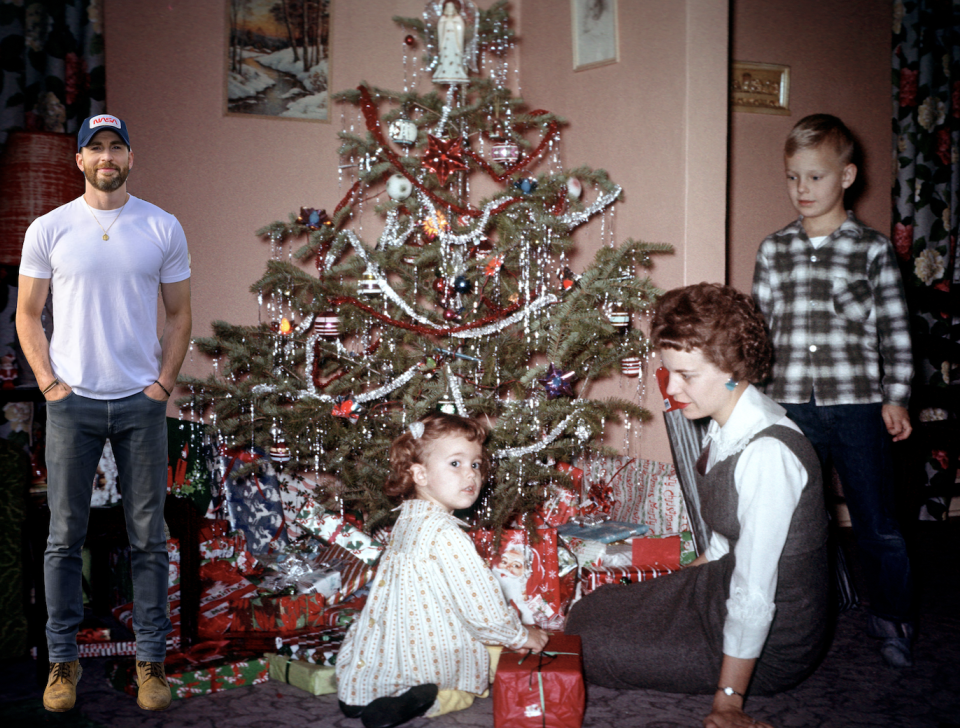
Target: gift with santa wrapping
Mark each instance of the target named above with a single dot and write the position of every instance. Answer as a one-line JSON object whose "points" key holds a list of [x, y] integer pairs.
{"points": [[544, 690], [562, 504], [528, 572], [208, 667]]}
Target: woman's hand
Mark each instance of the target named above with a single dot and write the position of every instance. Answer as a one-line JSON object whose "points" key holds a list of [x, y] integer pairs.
{"points": [[730, 716], [536, 640]]}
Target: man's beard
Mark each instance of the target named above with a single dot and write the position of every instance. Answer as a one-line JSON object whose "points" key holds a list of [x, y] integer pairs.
{"points": [[108, 184]]}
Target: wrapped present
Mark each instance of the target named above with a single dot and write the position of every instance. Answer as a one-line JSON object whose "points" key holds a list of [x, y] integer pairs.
{"points": [[643, 491], [587, 552], [113, 649], [343, 614], [317, 648], [561, 504], [316, 645], [280, 614], [528, 573], [315, 679], [543, 690], [222, 589], [335, 529], [593, 577], [206, 668], [219, 541], [618, 553], [252, 501], [605, 532], [354, 572], [670, 550]]}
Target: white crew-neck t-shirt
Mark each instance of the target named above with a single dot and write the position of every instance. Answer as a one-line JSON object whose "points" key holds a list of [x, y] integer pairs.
{"points": [[105, 343]]}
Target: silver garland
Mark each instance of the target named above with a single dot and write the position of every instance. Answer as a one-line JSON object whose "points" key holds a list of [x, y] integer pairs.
{"points": [[535, 305], [390, 238], [304, 325], [389, 386], [573, 219], [513, 452], [445, 116], [454, 385], [373, 394]]}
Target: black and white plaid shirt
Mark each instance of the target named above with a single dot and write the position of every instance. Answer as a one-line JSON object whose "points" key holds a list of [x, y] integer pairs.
{"points": [[837, 316]]}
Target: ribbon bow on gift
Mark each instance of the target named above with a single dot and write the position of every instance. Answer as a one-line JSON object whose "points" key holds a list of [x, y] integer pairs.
{"points": [[541, 663]]}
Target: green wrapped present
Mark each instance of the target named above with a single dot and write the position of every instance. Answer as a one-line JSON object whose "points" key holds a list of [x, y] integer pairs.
{"points": [[207, 667], [315, 679]]}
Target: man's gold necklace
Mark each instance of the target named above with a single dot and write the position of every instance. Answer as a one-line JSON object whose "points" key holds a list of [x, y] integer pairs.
{"points": [[107, 229]]}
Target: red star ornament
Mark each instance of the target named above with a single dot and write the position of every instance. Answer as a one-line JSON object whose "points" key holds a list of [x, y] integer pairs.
{"points": [[443, 157]]}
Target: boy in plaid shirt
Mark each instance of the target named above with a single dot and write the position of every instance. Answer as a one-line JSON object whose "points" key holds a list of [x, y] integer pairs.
{"points": [[831, 293]]}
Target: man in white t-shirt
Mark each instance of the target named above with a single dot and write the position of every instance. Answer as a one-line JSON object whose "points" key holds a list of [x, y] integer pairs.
{"points": [[105, 374]]}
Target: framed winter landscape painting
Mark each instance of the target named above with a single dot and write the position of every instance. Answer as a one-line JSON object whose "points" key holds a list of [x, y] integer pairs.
{"points": [[594, 33], [278, 60]]}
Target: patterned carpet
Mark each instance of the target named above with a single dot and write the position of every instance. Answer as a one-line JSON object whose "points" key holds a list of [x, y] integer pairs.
{"points": [[851, 689]]}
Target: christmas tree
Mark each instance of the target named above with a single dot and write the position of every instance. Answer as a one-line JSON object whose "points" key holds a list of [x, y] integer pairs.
{"points": [[462, 304]]}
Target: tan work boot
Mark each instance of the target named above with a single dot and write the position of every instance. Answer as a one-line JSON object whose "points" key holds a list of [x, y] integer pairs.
{"points": [[154, 692], [61, 691]]}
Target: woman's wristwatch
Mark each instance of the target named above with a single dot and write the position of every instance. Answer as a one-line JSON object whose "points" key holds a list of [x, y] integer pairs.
{"points": [[728, 691]]}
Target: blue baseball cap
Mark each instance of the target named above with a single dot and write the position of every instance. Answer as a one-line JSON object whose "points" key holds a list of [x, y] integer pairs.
{"points": [[92, 124]]}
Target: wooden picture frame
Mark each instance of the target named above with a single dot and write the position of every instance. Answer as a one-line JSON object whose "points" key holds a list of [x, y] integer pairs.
{"points": [[277, 66], [760, 88], [595, 33]]}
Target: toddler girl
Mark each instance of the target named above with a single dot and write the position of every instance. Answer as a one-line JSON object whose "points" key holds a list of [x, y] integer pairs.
{"points": [[420, 643]]}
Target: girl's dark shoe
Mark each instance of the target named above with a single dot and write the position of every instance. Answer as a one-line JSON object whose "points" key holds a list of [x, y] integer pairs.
{"points": [[351, 711], [390, 712]]}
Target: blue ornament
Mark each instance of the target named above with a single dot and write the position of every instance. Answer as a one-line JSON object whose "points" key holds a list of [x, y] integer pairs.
{"points": [[462, 285], [313, 218], [557, 383], [526, 185]]}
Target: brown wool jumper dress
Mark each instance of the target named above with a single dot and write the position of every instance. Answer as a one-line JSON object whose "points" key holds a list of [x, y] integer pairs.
{"points": [[667, 634]]}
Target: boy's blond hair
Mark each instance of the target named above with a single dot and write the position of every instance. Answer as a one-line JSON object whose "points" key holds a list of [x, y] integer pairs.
{"points": [[818, 129]]}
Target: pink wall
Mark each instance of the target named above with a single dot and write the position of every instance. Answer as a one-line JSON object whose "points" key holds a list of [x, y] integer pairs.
{"points": [[656, 122], [839, 57]]}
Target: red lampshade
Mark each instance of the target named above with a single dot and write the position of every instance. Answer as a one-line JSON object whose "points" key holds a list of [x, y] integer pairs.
{"points": [[39, 174]]}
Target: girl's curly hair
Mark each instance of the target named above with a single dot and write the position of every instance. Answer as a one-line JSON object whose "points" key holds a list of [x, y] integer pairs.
{"points": [[407, 450], [720, 321]]}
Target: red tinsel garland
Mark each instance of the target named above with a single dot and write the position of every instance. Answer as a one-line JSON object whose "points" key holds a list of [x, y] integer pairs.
{"points": [[369, 110]]}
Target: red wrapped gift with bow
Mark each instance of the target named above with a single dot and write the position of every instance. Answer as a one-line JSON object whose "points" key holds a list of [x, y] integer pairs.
{"points": [[542, 690]]}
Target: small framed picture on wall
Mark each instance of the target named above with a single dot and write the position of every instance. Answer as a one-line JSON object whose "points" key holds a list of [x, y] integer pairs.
{"points": [[595, 33], [760, 88], [278, 59]]}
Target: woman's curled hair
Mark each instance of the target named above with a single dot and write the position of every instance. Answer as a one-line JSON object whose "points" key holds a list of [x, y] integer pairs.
{"points": [[720, 321]]}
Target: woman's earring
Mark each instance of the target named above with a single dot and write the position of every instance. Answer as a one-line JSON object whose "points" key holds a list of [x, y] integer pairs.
{"points": [[731, 384]]}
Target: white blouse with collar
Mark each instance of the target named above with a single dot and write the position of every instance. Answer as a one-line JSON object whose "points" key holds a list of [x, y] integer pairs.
{"points": [[769, 479]]}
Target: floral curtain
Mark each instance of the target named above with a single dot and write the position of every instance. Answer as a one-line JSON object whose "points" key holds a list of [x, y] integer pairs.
{"points": [[51, 64], [926, 217]]}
